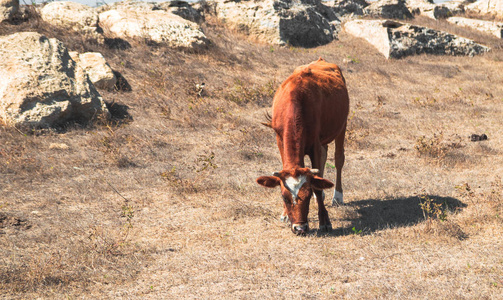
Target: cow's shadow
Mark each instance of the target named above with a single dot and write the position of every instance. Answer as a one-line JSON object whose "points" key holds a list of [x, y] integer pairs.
{"points": [[371, 215]]}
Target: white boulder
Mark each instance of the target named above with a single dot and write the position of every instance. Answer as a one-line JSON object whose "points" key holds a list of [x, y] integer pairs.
{"points": [[298, 23], [97, 68], [41, 86], [395, 40], [492, 8], [491, 27], [153, 25], [78, 17]]}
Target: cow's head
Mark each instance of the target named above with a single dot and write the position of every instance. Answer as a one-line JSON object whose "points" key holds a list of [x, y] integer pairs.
{"points": [[297, 187]]}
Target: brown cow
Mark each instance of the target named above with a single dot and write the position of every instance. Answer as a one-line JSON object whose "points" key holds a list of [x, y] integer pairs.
{"points": [[309, 111]]}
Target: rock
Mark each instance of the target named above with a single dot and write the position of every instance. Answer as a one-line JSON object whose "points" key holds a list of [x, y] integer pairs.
{"points": [[348, 8], [96, 67], [491, 8], [154, 25], [478, 137], [434, 11], [298, 23], [25, 13], [177, 7], [182, 9], [396, 40], [42, 86], [419, 7], [8, 9], [491, 27], [457, 7], [139, 6], [439, 12], [76, 16], [59, 146], [388, 9]]}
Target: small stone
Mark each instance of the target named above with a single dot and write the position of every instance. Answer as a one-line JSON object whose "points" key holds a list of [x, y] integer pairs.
{"points": [[59, 146]]}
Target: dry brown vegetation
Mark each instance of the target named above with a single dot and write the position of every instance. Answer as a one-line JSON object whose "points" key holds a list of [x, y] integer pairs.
{"points": [[162, 201]]}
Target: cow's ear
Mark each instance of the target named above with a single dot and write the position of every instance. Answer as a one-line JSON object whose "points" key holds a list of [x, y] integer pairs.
{"points": [[319, 183], [269, 181]]}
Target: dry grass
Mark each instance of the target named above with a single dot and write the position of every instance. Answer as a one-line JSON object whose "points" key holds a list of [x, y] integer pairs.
{"points": [[162, 203]]}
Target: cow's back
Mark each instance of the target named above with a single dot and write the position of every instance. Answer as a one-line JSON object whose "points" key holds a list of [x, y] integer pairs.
{"points": [[315, 98]]}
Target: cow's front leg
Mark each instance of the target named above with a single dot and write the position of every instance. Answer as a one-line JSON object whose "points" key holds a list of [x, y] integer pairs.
{"points": [[318, 160], [325, 224]]}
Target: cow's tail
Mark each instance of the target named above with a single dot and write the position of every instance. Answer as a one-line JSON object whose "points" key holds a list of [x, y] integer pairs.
{"points": [[268, 120]]}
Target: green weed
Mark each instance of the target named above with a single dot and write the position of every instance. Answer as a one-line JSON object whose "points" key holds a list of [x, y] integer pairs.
{"points": [[329, 165], [431, 147], [431, 209], [353, 59], [207, 162], [356, 231]]}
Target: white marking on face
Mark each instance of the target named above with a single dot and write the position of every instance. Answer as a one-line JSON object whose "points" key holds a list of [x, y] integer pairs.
{"points": [[294, 185]]}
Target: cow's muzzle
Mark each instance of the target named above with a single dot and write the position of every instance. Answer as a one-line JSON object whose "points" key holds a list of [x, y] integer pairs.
{"points": [[300, 229]]}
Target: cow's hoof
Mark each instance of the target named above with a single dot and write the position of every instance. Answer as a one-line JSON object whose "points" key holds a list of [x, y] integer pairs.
{"points": [[326, 228], [337, 199], [284, 219]]}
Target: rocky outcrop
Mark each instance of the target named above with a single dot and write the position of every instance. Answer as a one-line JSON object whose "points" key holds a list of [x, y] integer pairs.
{"points": [[177, 7], [388, 9], [156, 22], [435, 11], [96, 67], [457, 7], [157, 26], [76, 16], [139, 6], [298, 23], [396, 40], [8, 9], [491, 27], [182, 9], [491, 8], [348, 8], [428, 8], [42, 86]]}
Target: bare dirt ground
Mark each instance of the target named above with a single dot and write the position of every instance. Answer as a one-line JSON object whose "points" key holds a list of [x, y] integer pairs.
{"points": [[161, 203]]}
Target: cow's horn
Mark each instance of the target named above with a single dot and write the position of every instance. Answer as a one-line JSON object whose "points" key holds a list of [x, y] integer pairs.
{"points": [[315, 171]]}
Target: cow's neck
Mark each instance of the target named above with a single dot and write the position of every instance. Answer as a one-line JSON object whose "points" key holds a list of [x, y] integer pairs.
{"points": [[293, 146]]}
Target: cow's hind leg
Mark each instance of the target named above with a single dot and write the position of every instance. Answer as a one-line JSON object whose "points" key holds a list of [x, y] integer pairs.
{"points": [[319, 163], [339, 163]]}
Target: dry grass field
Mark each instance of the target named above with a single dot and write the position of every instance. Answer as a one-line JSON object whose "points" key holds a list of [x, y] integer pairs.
{"points": [[161, 202]]}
